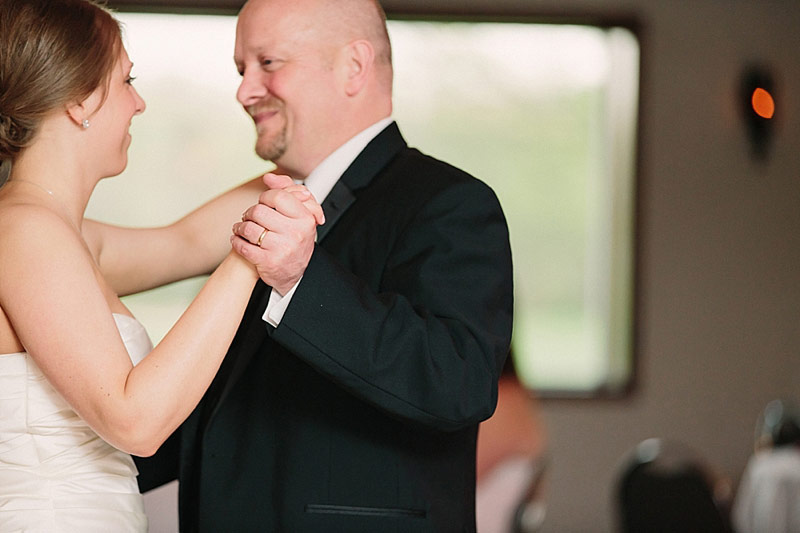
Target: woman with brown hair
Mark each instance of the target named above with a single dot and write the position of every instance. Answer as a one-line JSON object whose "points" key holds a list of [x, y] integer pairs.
{"points": [[81, 386]]}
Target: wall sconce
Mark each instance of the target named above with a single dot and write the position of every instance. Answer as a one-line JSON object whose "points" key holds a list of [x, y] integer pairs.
{"points": [[758, 102]]}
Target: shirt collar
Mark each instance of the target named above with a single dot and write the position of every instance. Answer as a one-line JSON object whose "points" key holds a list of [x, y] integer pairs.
{"points": [[327, 173]]}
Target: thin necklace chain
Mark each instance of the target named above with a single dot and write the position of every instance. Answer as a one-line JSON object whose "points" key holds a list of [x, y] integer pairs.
{"points": [[62, 207]]}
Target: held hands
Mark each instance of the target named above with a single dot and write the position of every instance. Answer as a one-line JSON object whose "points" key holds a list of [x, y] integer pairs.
{"points": [[277, 234]]}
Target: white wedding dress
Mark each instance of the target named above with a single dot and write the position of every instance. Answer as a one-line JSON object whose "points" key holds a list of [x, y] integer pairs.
{"points": [[56, 474]]}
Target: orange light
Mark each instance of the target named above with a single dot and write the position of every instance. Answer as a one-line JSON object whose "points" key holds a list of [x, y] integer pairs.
{"points": [[763, 104]]}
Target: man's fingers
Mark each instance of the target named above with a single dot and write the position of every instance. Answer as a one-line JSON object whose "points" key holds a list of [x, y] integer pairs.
{"points": [[307, 199], [244, 248], [250, 231], [316, 210], [264, 216], [277, 181], [284, 203], [259, 217]]}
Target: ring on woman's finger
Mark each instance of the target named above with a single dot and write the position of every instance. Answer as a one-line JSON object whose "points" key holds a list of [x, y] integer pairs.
{"points": [[261, 238]]}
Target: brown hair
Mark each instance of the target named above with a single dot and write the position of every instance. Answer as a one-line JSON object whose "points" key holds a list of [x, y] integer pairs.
{"points": [[52, 53]]}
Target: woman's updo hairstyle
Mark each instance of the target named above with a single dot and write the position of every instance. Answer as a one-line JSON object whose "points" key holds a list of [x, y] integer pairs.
{"points": [[52, 53]]}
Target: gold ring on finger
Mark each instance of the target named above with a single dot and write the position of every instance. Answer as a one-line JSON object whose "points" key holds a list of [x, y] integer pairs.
{"points": [[261, 238]]}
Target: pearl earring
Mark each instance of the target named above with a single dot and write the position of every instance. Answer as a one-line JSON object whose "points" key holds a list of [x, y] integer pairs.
{"points": [[85, 123]]}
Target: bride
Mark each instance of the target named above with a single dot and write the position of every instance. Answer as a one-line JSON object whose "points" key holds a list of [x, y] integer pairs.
{"points": [[81, 386]]}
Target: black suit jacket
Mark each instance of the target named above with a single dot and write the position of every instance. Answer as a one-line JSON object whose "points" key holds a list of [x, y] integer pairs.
{"points": [[359, 412]]}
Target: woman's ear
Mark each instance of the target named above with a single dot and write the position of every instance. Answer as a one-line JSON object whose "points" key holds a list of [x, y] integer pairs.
{"points": [[359, 57], [80, 112]]}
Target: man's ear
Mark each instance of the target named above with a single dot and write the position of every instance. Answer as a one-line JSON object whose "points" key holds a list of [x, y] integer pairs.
{"points": [[359, 57]]}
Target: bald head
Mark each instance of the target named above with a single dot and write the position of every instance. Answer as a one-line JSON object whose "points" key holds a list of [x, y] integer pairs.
{"points": [[337, 22], [359, 19]]}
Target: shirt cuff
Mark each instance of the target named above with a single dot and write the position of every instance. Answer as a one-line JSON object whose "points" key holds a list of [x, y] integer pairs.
{"points": [[276, 307]]}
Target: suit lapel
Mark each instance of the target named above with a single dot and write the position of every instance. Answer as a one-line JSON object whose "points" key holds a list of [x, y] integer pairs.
{"points": [[253, 330], [375, 156], [334, 206]]}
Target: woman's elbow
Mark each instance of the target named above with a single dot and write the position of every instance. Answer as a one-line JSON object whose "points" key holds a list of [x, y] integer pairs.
{"points": [[140, 446], [134, 436]]}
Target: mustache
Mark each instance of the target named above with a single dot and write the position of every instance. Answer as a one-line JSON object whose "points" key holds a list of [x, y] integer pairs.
{"points": [[263, 107]]}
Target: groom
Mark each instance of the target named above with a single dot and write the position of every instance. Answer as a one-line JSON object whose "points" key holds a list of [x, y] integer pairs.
{"points": [[350, 398]]}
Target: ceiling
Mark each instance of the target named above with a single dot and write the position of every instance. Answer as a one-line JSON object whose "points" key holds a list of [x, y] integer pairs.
{"points": [[513, 10], [192, 6]]}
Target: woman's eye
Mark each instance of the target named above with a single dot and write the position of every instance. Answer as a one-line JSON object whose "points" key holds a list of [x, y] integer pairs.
{"points": [[129, 80]]}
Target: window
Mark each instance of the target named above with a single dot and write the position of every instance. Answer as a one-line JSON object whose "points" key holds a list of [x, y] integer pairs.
{"points": [[545, 114]]}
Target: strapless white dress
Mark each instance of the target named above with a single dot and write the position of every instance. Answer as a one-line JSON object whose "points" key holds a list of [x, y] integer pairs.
{"points": [[56, 474]]}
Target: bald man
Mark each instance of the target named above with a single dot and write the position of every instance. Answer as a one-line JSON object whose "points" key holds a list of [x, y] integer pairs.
{"points": [[350, 398]]}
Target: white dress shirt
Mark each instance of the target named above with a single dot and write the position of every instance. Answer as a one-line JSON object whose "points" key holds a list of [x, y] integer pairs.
{"points": [[319, 183]]}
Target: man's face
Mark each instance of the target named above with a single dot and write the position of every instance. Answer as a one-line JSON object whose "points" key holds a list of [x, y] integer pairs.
{"points": [[288, 82]]}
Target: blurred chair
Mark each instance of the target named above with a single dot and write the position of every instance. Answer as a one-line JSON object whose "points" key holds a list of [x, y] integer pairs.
{"points": [[532, 507], [664, 487]]}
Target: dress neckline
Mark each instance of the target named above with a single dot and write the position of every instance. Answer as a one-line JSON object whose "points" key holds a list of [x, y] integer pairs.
{"points": [[126, 317]]}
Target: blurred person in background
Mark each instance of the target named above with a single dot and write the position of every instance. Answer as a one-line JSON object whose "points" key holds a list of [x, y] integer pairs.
{"points": [[511, 460]]}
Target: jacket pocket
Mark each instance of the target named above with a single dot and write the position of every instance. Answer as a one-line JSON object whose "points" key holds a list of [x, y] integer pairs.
{"points": [[387, 512]]}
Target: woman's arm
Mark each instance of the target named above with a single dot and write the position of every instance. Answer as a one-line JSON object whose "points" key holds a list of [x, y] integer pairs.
{"points": [[137, 259], [61, 308]]}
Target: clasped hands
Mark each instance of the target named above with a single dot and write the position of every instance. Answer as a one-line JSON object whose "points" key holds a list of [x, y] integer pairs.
{"points": [[277, 234]]}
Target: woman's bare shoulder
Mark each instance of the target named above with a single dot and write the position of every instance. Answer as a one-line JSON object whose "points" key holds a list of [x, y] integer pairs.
{"points": [[30, 230]]}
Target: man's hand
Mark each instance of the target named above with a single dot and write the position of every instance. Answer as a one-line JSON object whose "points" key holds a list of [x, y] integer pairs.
{"points": [[277, 235]]}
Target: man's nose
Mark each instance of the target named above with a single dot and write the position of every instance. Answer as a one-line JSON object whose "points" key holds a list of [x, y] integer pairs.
{"points": [[252, 88]]}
